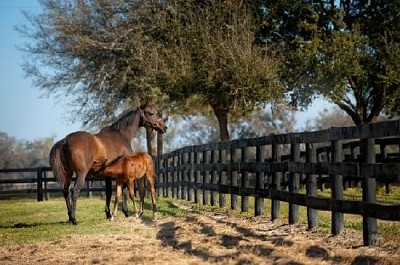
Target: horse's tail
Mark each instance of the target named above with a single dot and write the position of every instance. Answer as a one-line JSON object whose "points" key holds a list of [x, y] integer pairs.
{"points": [[57, 162]]}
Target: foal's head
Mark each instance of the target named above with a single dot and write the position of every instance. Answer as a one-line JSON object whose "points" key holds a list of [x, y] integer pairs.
{"points": [[149, 119]]}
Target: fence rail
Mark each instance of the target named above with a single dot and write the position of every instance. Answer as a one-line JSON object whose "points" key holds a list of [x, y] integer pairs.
{"points": [[275, 166], [40, 183]]}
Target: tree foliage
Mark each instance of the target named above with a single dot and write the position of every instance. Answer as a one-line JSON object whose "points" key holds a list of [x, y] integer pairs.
{"points": [[347, 51], [209, 56], [90, 52], [104, 54]]}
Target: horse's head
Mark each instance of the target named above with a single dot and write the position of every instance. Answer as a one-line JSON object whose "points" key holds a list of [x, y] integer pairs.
{"points": [[150, 119]]}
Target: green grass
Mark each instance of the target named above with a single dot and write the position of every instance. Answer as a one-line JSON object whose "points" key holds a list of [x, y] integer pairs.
{"points": [[25, 220]]}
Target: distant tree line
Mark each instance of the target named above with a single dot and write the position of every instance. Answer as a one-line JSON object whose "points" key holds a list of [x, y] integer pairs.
{"points": [[22, 154]]}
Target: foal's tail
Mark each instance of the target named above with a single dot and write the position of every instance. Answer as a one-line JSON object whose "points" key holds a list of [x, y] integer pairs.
{"points": [[58, 162]]}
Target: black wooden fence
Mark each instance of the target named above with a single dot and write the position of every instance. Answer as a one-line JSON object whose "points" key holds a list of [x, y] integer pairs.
{"points": [[274, 167], [40, 181]]}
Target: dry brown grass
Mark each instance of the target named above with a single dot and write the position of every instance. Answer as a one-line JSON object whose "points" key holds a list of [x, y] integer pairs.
{"points": [[203, 238]]}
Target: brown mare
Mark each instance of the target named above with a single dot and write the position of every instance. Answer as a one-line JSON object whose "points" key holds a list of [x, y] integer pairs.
{"points": [[84, 153], [128, 169]]}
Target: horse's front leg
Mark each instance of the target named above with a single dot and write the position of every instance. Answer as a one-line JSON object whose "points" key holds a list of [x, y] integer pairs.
{"points": [[117, 196], [108, 196]]}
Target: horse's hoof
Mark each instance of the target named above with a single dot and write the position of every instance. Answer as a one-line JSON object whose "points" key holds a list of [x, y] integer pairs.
{"points": [[73, 221]]}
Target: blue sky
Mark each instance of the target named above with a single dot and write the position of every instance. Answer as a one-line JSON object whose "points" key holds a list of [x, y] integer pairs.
{"points": [[25, 113]]}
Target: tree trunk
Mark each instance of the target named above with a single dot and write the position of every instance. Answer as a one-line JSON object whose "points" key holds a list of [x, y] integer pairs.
{"points": [[222, 116], [160, 140], [150, 141]]}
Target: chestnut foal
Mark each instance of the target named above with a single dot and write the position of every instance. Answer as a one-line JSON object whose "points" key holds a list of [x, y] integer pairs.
{"points": [[127, 169]]}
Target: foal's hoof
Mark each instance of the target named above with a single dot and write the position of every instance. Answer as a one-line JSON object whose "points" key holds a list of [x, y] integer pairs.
{"points": [[155, 216]]}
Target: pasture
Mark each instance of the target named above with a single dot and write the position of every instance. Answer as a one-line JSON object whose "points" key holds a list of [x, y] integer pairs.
{"points": [[184, 233]]}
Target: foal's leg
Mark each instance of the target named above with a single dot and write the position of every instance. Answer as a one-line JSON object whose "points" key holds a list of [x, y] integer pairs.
{"points": [[131, 189], [150, 179], [125, 200], [142, 192], [117, 196]]}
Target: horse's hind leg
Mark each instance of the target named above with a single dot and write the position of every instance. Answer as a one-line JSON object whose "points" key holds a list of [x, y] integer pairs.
{"points": [[67, 197], [80, 182]]}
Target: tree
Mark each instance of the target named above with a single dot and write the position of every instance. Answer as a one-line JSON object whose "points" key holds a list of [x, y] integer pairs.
{"points": [[262, 122], [207, 55], [90, 52], [347, 51], [18, 154], [329, 118]]}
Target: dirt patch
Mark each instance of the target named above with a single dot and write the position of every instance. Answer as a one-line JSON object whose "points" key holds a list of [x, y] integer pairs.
{"points": [[203, 238]]}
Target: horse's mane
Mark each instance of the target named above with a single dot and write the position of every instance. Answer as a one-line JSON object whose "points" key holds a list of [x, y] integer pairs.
{"points": [[125, 120]]}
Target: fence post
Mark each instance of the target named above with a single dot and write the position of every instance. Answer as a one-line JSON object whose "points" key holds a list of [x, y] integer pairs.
{"points": [[370, 229], [197, 178], [244, 181], [222, 178], [234, 179], [46, 189], [180, 177], [88, 190], [174, 178], [294, 183], [185, 177], [191, 176], [39, 179], [158, 174], [165, 177], [276, 179], [311, 186], [258, 200], [214, 160], [337, 187], [388, 185], [206, 178]]}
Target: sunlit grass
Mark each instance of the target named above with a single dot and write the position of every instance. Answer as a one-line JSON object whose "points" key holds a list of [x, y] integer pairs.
{"points": [[25, 220]]}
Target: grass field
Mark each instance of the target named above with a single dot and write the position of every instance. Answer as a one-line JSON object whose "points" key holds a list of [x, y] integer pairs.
{"points": [[23, 220]]}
